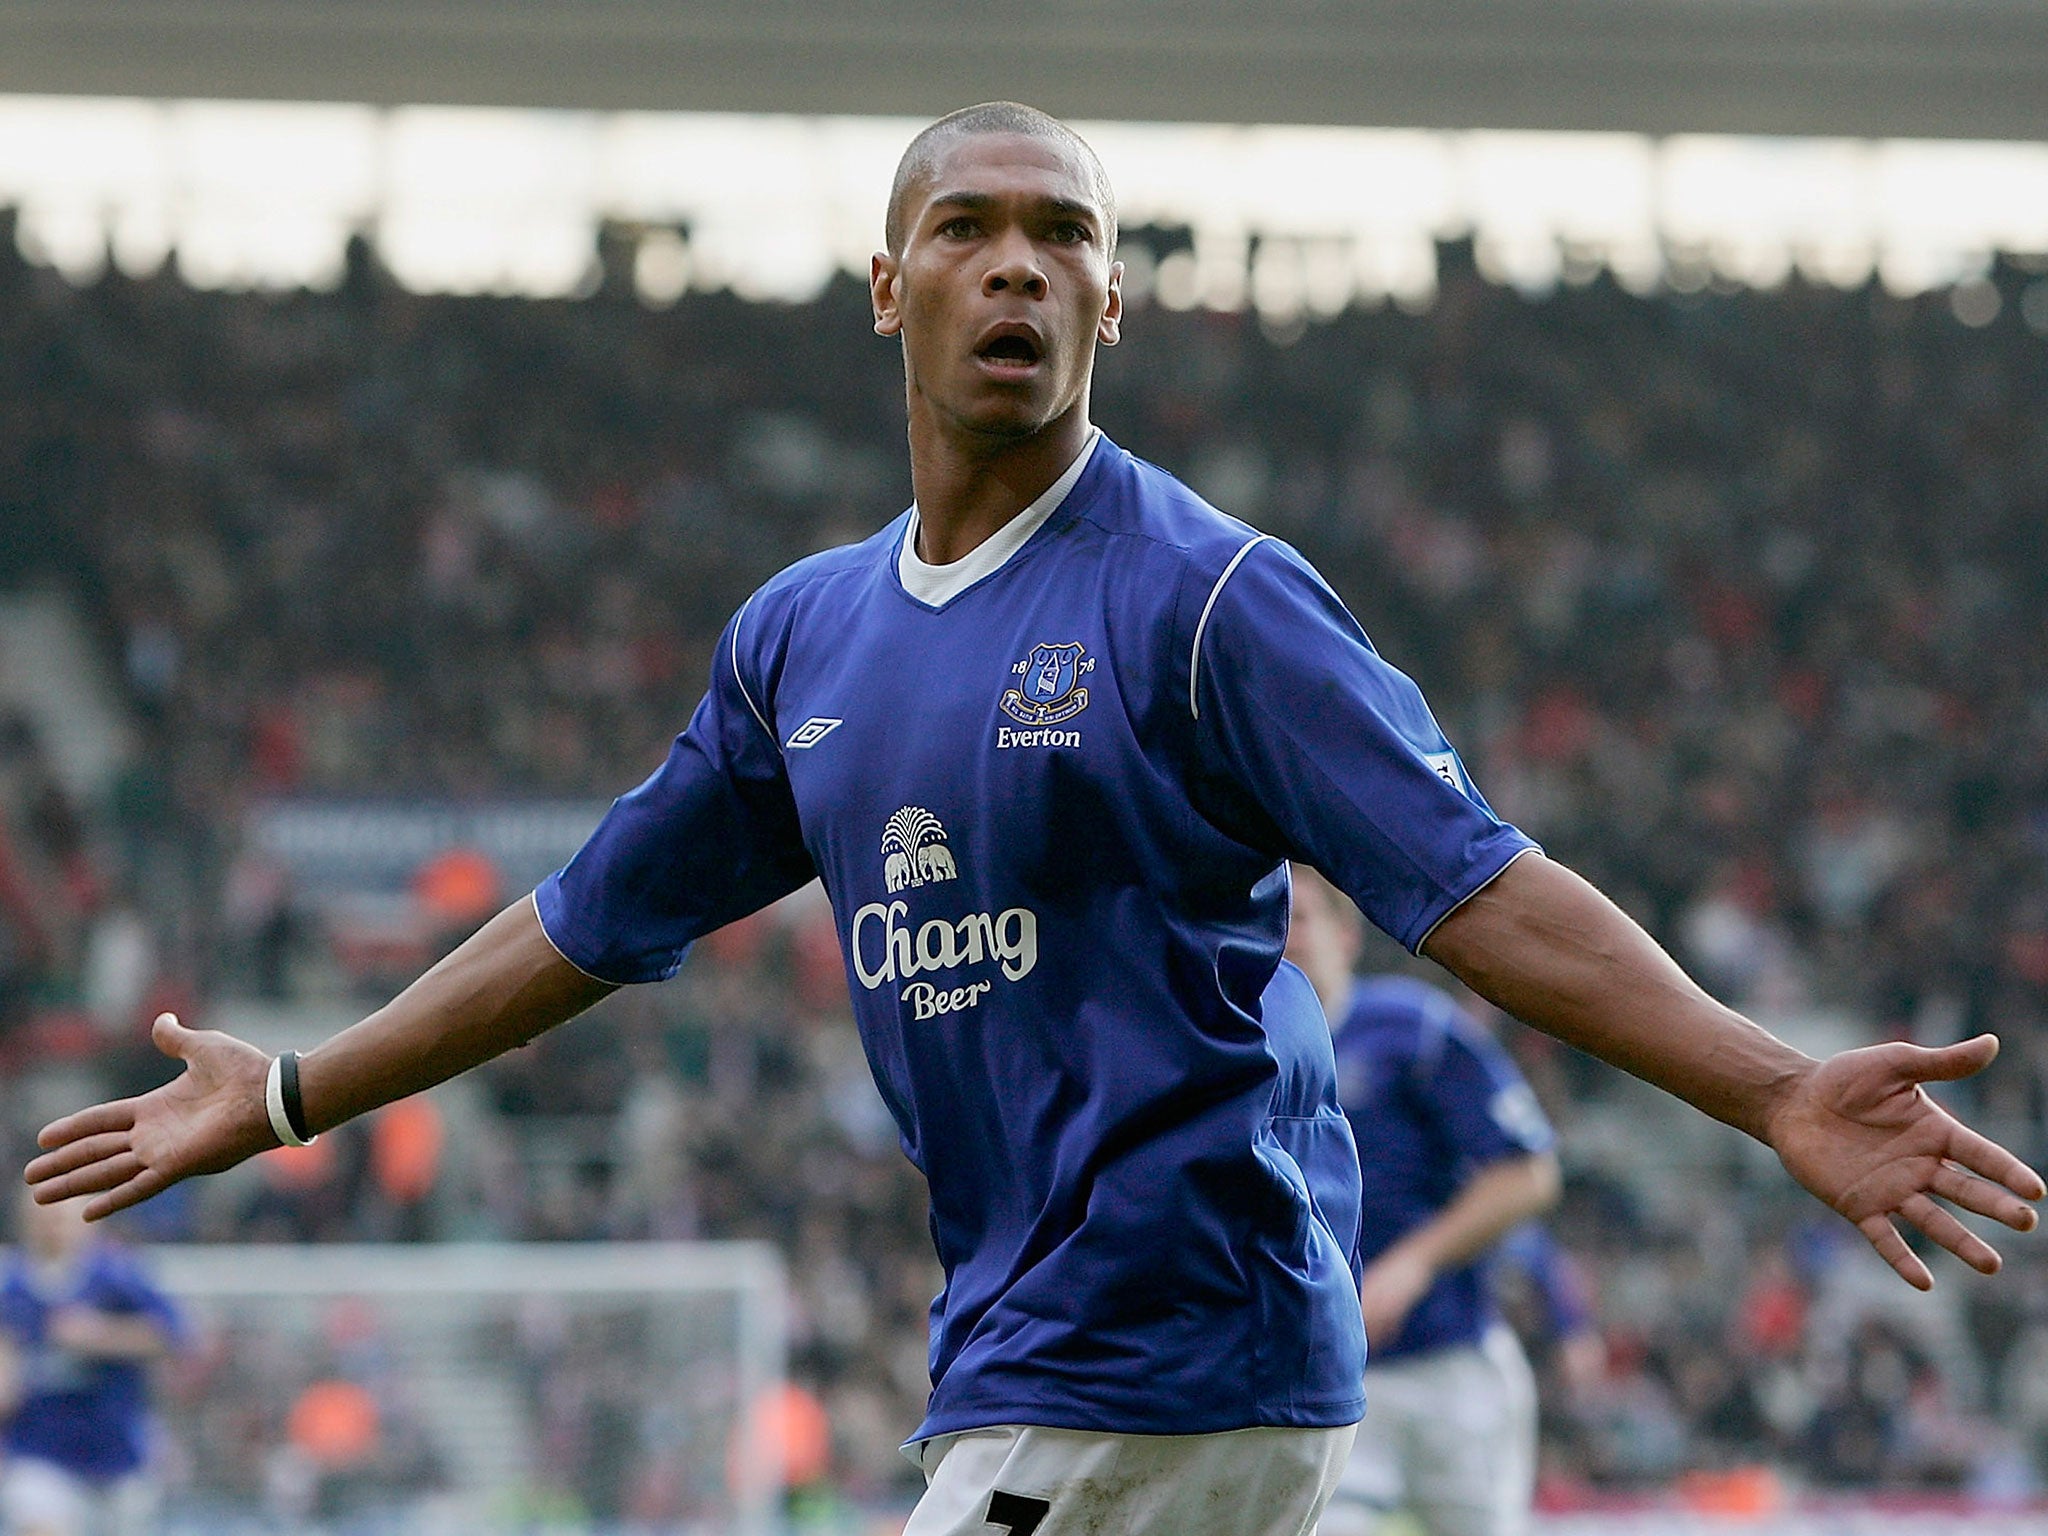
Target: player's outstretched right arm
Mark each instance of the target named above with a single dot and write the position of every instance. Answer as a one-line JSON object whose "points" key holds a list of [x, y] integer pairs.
{"points": [[1858, 1130], [499, 989]]}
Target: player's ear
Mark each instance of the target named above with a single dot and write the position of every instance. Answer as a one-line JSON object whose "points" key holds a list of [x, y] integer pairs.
{"points": [[1111, 327], [882, 270]]}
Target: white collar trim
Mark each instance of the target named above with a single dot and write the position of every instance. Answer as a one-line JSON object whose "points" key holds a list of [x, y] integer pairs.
{"points": [[937, 585]]}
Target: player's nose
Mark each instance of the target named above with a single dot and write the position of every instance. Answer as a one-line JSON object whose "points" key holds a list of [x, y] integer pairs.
{"points": [[1014, 268]]}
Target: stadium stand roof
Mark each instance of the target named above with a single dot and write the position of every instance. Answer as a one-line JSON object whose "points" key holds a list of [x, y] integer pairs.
{"points": [[1876, 68]]}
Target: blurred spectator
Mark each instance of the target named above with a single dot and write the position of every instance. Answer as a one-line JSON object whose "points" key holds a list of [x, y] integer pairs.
{"points": [[81, 1322]]}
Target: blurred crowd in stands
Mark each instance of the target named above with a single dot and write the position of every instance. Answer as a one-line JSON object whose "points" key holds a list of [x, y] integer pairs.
{"points": [[1733, 600]]}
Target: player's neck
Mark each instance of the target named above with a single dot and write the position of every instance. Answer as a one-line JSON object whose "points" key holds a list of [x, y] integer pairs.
{"points": [[968, 486]]}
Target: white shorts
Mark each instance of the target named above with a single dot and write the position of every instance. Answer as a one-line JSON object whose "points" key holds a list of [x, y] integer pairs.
{"points": [[1449, 1435], [40, 1498], [1030, 1481]]}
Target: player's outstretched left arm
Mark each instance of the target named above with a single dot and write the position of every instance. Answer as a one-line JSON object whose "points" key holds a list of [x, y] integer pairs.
{"points": [[501, 987], [1857, 1130]]}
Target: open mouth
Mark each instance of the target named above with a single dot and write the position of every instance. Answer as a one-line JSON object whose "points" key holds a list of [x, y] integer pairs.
{"points": [[1010, 351]]}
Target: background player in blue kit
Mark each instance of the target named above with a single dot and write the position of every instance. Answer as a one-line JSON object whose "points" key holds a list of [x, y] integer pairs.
{"points": [[1455, 1153], [81, 1322], [1048, 738]]}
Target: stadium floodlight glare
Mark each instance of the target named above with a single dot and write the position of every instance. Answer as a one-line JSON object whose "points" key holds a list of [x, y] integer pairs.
{"points": [[1292, 220], [1758, 208], [1941, 210], [483, 201], [73, 168], [1546, 193], [267, 195]]}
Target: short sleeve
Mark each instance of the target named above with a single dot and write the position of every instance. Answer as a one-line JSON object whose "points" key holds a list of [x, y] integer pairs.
{"points": [[1470, 1090], [1317, 749], [709, 837]]}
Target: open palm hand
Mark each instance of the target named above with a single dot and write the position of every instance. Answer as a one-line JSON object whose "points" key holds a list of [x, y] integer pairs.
{"points": [[210, 1117], [1861, 1133]]}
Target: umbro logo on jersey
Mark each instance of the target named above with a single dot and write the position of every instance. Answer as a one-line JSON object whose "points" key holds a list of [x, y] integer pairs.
{"points": [[813, 731], [914, 850], [1049, 687]]}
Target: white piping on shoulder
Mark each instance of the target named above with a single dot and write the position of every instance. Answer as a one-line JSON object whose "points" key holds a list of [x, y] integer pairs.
{"points": [[1195, 657], [738, 620]]}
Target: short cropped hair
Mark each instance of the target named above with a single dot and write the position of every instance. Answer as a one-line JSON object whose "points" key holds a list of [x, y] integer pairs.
{"points": [[921, 158]]}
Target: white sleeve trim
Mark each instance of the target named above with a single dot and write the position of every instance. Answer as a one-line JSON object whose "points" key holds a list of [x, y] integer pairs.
{"points": [[739, 619], [543, 922], [1195, 656], [1482, 885]]}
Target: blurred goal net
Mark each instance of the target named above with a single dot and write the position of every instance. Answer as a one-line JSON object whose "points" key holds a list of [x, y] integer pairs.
{"points": [[474, 1388]]}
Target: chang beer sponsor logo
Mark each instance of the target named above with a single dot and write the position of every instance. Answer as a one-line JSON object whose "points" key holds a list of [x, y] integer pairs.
{"points": [[914, 850], [888, 948], [926, 1001]]}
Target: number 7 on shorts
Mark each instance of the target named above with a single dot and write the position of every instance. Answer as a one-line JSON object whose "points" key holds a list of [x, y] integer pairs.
{"points": [[1014, 1514]]}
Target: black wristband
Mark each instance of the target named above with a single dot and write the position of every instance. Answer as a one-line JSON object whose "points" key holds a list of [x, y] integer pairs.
{"points": [[288, 1090]]}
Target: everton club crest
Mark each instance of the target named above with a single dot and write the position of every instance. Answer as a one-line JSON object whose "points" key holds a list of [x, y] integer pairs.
{"points": [[1048, 685]]}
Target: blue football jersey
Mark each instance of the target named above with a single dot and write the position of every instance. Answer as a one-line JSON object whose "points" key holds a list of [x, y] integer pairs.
{"points": [[1432, 1098], [89, 1416], [1051, 812]]}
